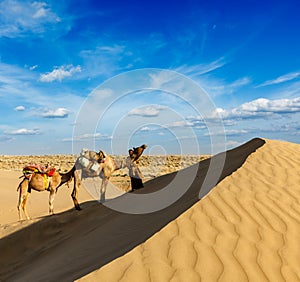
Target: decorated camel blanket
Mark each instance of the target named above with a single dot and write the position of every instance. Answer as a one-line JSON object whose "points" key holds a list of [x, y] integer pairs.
{"points": [[30, 169]]}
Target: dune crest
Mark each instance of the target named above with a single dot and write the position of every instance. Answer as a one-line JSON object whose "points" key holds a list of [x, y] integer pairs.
{"points": [[246, 229]]}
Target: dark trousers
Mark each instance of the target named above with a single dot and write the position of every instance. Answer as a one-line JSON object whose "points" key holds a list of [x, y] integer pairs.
{"points": [[136, 183]]}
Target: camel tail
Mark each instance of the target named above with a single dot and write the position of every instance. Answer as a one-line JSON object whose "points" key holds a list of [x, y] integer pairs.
{"points": [[19, 186]]}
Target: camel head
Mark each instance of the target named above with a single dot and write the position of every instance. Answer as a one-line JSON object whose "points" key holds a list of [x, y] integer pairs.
{"points": [[102, 156], [137, 152]]}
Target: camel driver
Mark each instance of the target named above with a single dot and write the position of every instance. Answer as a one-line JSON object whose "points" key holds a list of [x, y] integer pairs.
{"points": [[134, 172]]}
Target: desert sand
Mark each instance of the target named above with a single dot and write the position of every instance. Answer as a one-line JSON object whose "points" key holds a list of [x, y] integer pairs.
{"points": [[245, 227]]}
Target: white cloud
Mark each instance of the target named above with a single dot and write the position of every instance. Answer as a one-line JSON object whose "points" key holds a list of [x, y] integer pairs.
{"points": [[19, 108], [112, 50], [281, 79], [20, 17], [11, 75], [201, 69], [153, 128], [232, 144], [59, 73], [231, 132], [23, 131], [57, 113], [181, 123], [216, 116], [18, 87], [41, 10], [6, 138], [88, 136], [160, 79], [146, 128], [215, 87], [106, 60], [150, 111], [260, 108], [33, 67], [103, 93], [240, 82]]}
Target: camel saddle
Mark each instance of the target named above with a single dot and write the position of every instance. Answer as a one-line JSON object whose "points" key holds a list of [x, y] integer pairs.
{"points": [[29, 170]]}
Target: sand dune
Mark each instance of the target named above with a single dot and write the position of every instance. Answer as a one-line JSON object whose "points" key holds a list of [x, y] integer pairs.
{"points": [[246, 228]]}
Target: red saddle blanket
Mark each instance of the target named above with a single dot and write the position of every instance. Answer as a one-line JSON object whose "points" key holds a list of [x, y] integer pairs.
{"points": [[37, 168]]}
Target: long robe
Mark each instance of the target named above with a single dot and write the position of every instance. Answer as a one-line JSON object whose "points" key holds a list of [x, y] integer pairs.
{"points": [[134, 173]]}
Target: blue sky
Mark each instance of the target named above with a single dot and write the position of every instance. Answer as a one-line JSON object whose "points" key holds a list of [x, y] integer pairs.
{"points": [[245, 55]]}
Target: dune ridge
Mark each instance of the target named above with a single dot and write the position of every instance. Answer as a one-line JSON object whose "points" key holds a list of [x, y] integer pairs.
{"points": [[246, 229], [70, 245]]}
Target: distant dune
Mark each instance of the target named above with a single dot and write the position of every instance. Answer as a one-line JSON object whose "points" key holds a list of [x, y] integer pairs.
{"points": [[245, 228]]}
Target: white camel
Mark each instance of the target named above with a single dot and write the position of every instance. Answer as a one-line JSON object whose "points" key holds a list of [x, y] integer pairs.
{"points": [[93, 164]]}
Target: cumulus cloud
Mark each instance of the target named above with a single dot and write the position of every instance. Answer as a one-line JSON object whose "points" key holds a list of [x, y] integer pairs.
{"points": [[59, 73], [20, 17], [23, 131], [57, 113], [146, 128], [150, 111], [19, 108], [259, 108]]}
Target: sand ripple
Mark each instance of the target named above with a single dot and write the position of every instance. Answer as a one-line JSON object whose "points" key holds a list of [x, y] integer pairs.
{"points": [[246, 229]]}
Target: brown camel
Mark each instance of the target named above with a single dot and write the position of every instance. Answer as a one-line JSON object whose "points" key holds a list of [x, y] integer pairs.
{"points": [[93, 164], [40, 182]]}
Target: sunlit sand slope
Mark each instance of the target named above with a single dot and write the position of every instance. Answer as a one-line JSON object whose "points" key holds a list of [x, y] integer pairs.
{"points": [[246, 229]]}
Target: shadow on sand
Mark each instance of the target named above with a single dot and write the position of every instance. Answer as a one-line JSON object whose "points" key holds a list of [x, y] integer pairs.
{"points": [[69, 245]]}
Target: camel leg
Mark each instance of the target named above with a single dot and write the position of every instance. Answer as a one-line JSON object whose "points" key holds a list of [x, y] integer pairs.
{"points": [[51, 200], [103, 189], [74, 194], [24, 205], [23, 197]]}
